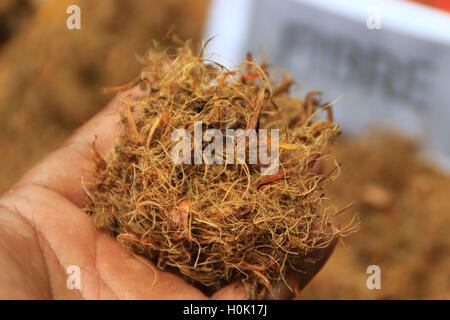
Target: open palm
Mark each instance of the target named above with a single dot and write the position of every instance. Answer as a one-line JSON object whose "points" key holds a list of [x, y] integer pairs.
{"points": [[43, 231]]}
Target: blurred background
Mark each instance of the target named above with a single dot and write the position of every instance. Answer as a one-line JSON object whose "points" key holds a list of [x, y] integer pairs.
{"points": [[394, 147]]}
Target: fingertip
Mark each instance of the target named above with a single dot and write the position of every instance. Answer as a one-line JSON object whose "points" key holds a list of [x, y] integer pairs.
{"points": [[232, 291]]}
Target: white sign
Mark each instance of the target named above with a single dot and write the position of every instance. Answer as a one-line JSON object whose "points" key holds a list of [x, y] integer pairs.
{"points": [[390, 60]]}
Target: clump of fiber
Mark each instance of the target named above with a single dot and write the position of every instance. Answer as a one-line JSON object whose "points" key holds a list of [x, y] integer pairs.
{"points": [[215, 223]]}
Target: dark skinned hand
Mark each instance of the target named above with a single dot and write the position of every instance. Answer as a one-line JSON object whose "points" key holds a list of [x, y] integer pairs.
{"points": [[43, 231]]}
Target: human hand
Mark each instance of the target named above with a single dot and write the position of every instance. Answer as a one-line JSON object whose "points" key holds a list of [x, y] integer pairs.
{"points": [[43, 231]]}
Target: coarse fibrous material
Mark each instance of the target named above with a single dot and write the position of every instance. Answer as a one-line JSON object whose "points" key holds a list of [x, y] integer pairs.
{"points": [[216, 223]]}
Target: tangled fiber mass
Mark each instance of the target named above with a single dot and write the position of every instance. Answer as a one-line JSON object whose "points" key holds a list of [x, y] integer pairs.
{"points": [[215, 223]]}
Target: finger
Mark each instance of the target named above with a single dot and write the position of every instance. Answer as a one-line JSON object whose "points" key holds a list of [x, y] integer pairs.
{"points": [[232, 291], [309, 266], [297, 281], [281, 291], [65, 169]]}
